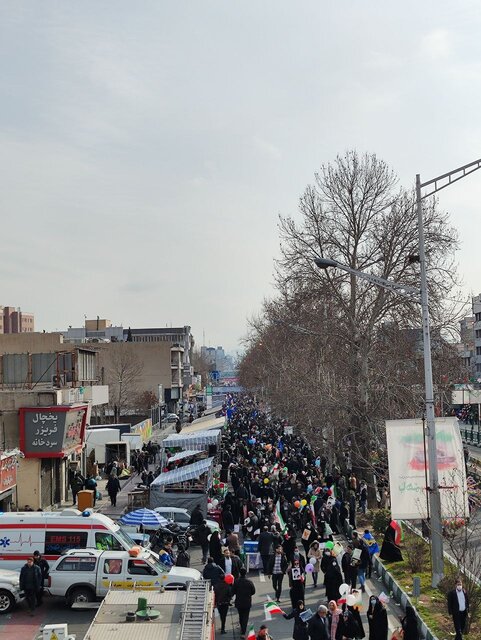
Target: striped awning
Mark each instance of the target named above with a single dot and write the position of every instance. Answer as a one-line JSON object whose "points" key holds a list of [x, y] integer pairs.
{"points": [[182, 474], [198, 441], [184, 454]]}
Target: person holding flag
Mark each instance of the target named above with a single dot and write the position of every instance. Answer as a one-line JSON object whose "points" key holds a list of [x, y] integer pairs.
{"points": [[299, 631]]}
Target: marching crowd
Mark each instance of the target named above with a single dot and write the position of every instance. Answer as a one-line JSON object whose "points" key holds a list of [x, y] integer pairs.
{"points": [[291, 502]]}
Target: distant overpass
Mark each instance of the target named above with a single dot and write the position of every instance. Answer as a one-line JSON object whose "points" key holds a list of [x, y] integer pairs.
{"points": [[224, 390]]}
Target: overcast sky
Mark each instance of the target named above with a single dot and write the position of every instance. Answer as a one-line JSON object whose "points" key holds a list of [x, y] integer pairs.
{"points": [[147, 147]]}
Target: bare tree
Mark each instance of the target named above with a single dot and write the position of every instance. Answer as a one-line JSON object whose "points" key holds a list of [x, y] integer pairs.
{"points": [[335, 350], [200, 364], [123, 373], [462, 534], [146, 400]]}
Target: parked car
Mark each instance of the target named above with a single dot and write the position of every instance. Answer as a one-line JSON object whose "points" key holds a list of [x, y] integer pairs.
{"points": [[182, 517], [10, 593], [85, 575], [172, 417]]}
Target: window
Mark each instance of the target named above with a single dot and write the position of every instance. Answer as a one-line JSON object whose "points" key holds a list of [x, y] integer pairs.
{"points": [[478, 351], [113, 566], [57, 542], [181, 517], [140, 568], [74, 563], [107, 542], [477, 317], [478, 333]]}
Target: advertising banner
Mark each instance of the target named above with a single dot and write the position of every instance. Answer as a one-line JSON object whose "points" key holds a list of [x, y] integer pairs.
{"points": [[52, 432], [407, 469], [143, 429], [8, 473]]}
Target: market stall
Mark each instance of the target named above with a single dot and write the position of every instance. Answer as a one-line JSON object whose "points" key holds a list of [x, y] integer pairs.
{"points": [[184, 487]]}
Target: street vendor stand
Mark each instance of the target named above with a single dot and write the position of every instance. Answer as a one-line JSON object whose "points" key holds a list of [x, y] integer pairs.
{"points": [[184, 487]]}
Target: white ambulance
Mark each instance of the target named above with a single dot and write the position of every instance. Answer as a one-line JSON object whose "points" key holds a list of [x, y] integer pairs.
{"points": [[52, 533]]}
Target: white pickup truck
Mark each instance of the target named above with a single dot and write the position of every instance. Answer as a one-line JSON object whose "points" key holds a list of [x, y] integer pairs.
{"points": [[85, 575], [10, 593]]}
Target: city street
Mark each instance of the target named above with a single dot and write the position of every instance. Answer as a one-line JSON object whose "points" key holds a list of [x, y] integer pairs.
{"points": [[21, 626]]}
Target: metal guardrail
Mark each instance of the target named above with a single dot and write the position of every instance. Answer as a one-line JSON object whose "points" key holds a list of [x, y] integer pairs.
{"points": [[471, 436]]}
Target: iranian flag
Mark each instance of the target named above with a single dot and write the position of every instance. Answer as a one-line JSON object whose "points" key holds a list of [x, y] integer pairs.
{"points": [[272, 607], [279, 518], [251, 635]]}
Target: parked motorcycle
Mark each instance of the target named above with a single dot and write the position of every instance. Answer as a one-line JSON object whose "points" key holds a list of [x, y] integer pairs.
{"points": [[172, 531]]}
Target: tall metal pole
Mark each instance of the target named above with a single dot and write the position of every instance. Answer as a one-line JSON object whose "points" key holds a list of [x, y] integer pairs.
{"points": [[437, 557]]}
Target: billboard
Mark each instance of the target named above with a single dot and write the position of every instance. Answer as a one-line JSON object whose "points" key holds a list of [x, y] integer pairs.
{"points": [[52, 432], [407, 469]]}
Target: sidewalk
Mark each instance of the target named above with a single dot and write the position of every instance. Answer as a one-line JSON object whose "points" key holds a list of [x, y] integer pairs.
{"points": [[103, 505]]}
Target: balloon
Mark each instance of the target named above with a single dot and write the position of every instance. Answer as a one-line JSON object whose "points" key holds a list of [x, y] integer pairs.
{"points": [[329, 492], [251, 441], [344, 589], [266, 480], [285, 470], [303, 502], [350, 600], [329, 544], [309, 488], [309, 568], [313, 561], [254, 460], [210, 506], [229, 578], [264, 469], [215, 502], [297, 504]]}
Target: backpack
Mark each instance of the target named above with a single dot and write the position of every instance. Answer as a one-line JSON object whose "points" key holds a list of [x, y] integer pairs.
{"points": [[183, 559]]}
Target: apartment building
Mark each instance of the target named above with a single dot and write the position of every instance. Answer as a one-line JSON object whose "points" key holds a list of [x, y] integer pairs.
{"points": [[14, 320]]}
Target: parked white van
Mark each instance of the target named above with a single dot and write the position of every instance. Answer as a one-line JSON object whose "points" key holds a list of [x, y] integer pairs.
{"points": [[52, 533], [86, 575]]}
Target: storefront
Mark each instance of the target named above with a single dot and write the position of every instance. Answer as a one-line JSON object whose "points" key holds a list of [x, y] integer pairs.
{"points": [[8, 482], [50, 438]]}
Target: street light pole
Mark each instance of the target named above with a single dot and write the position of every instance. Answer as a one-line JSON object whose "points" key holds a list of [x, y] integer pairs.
{"points": [[421, 296], [437, 556]]}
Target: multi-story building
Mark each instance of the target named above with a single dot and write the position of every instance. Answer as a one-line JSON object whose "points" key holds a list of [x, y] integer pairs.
{"points": [[98, 330], [13, 320], [47, 392], [466, 346], [101, 330], [476, 302]]}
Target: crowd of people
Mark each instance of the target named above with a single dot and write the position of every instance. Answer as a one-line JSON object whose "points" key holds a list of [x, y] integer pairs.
{"points": [[288, 500]]}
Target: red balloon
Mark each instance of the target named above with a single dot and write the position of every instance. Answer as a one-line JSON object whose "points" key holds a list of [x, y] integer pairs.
{"points": [[229, 578], [297, 504]]}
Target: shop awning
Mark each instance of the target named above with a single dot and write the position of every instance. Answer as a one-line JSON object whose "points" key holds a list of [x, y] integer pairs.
{"points": [[204, 424], [189, 472], [184, 454], [194, 441]]}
